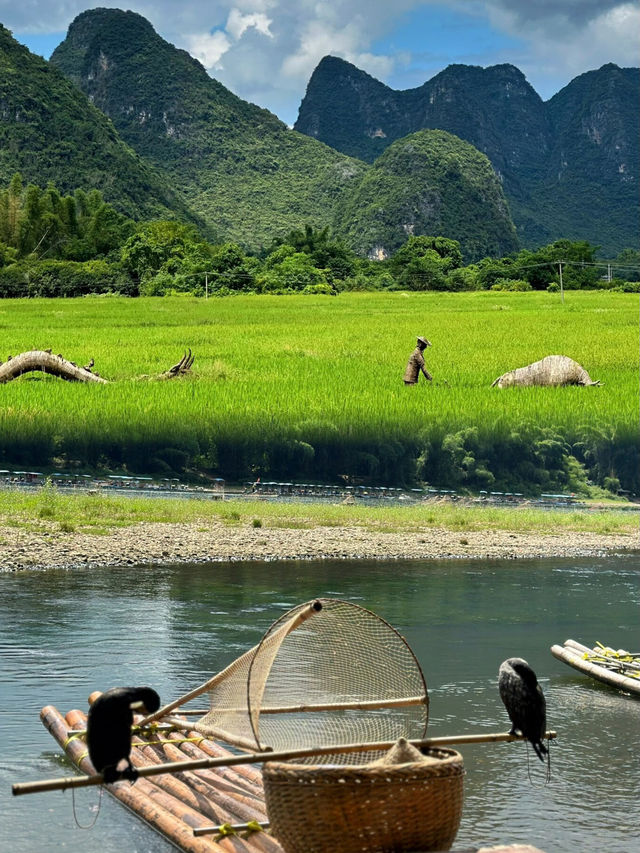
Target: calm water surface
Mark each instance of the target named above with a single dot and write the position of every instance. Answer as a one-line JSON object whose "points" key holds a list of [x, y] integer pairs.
{"points": [[64, 634]]}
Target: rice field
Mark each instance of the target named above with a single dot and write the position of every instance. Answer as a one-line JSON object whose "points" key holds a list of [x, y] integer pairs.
{"points": [[285, 385]]}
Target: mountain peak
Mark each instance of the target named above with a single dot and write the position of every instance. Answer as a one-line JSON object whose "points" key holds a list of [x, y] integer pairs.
{"points": [[582, 138], [101, 17], [230, 159]]}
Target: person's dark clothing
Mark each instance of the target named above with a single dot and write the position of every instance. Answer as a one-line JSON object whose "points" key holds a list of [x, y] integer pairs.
{"points": [[414, 366]]}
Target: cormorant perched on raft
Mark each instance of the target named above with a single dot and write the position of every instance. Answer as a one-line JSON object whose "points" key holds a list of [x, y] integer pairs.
{"points": [[525, 703], [109, 724]]}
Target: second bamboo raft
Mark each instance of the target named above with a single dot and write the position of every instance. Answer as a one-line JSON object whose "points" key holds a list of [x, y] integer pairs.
{"points": [[593, 662]]}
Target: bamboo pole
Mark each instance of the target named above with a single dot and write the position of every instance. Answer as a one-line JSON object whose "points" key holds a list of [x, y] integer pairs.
{"points": [[237, 806], [134, 797], [364, 705], [213, 786], [226, 778], [173, 784], [261, 757], [614, 679], [291, 625], [238, 798], [215, 750]]}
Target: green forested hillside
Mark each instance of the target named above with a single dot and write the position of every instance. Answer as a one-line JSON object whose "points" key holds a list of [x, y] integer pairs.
{"points": [[569, 166], [236, 164], [429, 183], [50, 132], [591, 177]]}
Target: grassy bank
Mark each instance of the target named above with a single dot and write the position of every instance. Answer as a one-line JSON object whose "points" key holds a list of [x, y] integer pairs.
{"points": [[101, 514], [311, 387]]}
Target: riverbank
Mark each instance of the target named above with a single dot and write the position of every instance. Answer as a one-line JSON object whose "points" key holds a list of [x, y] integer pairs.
{"points": [[49, 546]]}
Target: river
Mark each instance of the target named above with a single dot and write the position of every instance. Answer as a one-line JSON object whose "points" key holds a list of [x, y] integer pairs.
{"points": [[64, 634]]}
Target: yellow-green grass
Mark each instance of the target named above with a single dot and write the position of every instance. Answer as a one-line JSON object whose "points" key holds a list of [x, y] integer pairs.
{"points": [[310, 367], [99, 513]]}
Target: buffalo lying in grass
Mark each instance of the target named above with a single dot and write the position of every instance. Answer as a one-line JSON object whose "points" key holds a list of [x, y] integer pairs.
{"points": [[552, 370]]}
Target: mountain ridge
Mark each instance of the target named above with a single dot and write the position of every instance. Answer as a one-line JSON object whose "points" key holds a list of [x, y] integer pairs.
{"points": [[225, 154], [525, 138], [49, 132]]}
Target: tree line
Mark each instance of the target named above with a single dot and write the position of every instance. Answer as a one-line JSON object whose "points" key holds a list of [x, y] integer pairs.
{"points": [[71, 245]]}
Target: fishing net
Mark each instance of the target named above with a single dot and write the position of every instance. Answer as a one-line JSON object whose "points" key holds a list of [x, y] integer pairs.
{"points": [[327, 672]]}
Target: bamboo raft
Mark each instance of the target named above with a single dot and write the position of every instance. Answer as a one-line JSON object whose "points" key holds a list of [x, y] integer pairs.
{"points": [[617, 669], [205, 810], [178, 804], [203, 797]]}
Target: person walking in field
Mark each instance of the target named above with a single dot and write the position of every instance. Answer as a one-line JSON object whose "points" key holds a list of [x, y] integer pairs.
{"points": [[416, 364]]}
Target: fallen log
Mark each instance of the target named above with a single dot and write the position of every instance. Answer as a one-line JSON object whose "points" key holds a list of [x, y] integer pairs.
{"points": [[553, 370], [44, 361]]}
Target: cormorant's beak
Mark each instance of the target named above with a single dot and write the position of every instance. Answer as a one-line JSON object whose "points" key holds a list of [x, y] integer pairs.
{"points": [[137, 706]]}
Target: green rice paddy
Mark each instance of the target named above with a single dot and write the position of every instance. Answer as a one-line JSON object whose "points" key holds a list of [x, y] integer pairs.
{"points": [[286, 385]]}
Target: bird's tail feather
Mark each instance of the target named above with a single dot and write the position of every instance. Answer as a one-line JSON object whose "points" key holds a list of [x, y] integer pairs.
{"points": [[540, 749]]}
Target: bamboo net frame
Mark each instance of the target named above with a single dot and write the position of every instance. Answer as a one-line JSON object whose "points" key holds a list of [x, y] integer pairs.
{"points": [[327, 671]]}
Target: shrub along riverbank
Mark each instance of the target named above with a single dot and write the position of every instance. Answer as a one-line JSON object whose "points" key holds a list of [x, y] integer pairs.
{"points": [[309, 388]]}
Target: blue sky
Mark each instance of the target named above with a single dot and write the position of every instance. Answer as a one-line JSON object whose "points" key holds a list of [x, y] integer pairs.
{"points": [[266, 50], [434, 36]]}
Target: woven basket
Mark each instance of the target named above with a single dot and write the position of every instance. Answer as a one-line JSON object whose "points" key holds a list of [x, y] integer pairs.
{"points": [[397, 807]]}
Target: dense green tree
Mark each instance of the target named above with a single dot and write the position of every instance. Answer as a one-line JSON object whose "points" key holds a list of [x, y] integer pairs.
{"points": [[47, 225], [423, 262], [8, 255], [163, 245], [418, 247], [231, 268], [326, 251], [540, 268], [463, 278], [294, 272], [627, 265]]}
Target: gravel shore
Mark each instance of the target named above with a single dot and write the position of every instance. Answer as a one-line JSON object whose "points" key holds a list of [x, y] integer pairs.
{"points": [[151, 543]]}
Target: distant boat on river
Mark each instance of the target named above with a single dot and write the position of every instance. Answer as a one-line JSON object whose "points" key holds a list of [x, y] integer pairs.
{"points": [[617, 668]]}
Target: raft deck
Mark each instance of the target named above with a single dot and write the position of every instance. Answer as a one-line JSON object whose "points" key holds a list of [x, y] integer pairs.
{"points": [[176, 804], [581, 657]]}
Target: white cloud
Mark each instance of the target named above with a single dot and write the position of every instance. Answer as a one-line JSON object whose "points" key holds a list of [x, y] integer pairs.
{"points": [[564, 39], [238, 24], [614, 31], [266, 50], [319, 38], [209, 48]]}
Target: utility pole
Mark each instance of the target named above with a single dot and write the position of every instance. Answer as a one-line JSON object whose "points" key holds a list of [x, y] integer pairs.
{"points": [[206, 285], [561, 287]]}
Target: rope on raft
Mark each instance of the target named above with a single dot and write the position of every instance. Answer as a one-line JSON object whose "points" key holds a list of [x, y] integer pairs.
{"points": [[620, 661]]}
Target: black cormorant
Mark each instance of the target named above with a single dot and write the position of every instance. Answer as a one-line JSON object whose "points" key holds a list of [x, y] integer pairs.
{"points": [[109, 728], [525, 703]]}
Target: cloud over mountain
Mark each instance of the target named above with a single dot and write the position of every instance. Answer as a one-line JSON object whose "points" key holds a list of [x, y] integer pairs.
{"points": [[266, 50]]}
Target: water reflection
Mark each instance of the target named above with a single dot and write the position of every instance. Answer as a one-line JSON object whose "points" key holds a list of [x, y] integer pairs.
{"points": [[64, 634]]}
